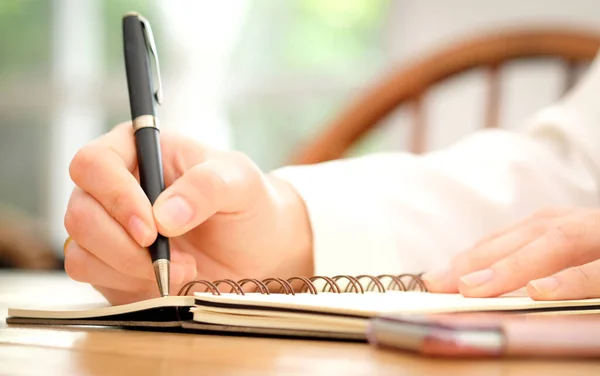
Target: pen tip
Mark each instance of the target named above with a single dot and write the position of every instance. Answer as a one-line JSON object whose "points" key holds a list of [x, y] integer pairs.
{"points": [[161, 269]]}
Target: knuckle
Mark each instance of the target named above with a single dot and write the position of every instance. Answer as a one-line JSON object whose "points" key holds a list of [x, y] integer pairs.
{"points": [[537, 229], [206, 181], [565, 235], [75, 219], [243, 162], [471, 259], [574, 230], [84, 160], [247, 170], [581, 279], [214, 180], [513, 264], [128, 264], [74, 268], [119, 200]]}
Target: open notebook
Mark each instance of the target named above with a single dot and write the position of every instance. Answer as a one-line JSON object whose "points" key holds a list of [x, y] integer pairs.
{"points": [[334, 311]]}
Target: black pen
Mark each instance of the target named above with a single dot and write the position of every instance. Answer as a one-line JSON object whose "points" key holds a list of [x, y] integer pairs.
{"points": [[138, 42]]}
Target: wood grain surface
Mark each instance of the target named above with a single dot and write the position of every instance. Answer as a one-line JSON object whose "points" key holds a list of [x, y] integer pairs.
{"points": [[104, 351]]}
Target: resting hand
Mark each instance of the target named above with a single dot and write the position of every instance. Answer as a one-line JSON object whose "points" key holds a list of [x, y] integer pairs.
{"points": [[225, 218], [555, 254]]}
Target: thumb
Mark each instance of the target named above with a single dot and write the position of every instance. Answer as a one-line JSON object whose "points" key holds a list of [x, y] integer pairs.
{"points": [[217, 185]]}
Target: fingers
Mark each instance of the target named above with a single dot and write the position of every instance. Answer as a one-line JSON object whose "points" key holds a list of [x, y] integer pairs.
{"points": [[82, 266], [580, 282], [491, 249], [103, 169], [482, 256], [94, 229], [571, 242], [106, 169], [224, 184]]}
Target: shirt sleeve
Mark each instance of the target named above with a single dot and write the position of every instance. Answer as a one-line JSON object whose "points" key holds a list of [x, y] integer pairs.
{"points": [[404, 213]]}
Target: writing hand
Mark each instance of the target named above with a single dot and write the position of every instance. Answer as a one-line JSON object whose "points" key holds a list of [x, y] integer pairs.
{"points": [[225, 218]]}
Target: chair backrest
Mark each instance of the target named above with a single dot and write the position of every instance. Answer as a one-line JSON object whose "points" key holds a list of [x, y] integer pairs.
{"points": [[407, 85]]}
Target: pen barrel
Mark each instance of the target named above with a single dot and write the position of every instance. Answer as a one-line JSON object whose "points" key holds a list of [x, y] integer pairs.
{"points": [[554, 336], [147, 145], [151, 178], [160, 249], [137, 65]]}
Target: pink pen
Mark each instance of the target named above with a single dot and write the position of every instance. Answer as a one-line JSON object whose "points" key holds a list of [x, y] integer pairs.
{"points": [[472, 335]]}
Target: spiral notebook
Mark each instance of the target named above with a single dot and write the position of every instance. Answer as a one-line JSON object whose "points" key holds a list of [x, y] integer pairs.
{"points": [[318, 307]]}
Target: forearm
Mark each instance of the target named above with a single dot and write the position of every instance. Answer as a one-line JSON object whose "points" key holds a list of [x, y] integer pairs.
{"points": [[402, 213]]}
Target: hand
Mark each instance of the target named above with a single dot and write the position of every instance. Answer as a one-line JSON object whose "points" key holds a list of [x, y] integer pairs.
{"points": [[555, 254], [225, 218]]}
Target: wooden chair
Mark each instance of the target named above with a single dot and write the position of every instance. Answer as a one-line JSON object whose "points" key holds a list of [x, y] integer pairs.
{"points": [[23, 244], [407, 85]]}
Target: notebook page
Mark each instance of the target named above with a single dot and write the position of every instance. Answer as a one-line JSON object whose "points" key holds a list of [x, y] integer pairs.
{"points": [[286, 320], [371, 304], [97, 310]]}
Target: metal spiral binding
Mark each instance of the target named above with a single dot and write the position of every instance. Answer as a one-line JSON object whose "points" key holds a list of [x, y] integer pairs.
{"points": [[332, 284]]}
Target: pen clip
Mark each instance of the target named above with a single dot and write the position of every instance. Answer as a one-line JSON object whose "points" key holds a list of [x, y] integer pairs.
{"points": [[149, 37]]}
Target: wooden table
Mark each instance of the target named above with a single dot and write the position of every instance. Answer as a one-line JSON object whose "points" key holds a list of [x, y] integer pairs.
{"points": [[103, 351]]}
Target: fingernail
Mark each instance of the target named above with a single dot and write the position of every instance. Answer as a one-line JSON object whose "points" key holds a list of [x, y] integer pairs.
{"points": [[545, 285], [174, 213], [477, 278], [436, 274], [139, 230]]}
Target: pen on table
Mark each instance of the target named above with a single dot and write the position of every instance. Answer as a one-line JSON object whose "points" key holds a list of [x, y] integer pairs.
{"points": [[138, 42], [516, 336]]}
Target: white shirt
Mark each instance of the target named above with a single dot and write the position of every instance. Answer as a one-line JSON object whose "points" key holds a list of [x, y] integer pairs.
{"points": [[405, 213]]}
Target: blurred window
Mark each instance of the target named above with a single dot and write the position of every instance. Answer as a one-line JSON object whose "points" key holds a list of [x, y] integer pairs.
{"points": [[258, 76], [296, 65]]}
